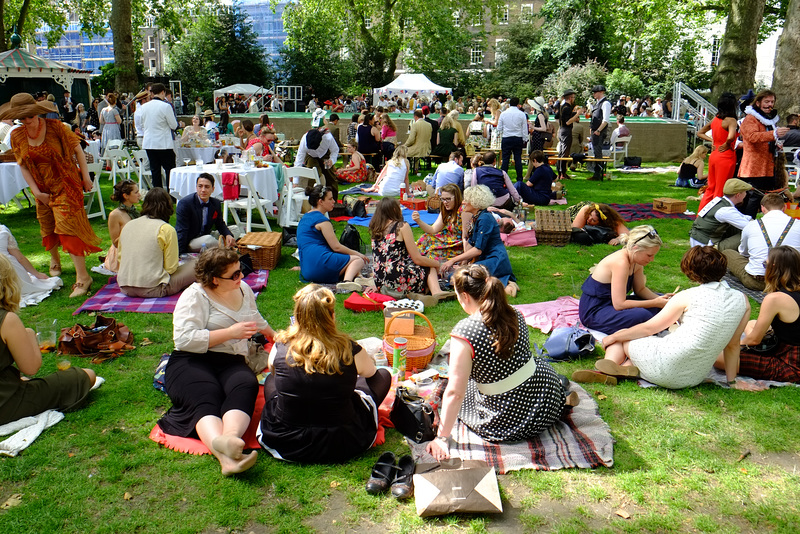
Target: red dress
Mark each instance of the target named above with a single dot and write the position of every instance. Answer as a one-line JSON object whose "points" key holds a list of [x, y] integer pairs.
{"points": [[352, 174], [721, 165], [53, 168]]}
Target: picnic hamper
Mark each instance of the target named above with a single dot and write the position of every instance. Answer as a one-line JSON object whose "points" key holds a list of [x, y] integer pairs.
{"points": [[434, 202], [421, 345], [553, 227], [264, 248]]}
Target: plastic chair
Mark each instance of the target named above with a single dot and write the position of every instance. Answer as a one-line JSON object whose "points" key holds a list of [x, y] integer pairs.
{"points": [[88, 196], [792, 165], [290, 205], [619, 146], [120, 162], [247, 201], [141, 163]]}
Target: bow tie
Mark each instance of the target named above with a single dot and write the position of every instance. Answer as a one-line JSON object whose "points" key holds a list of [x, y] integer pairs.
{"points": [[204, 204]]}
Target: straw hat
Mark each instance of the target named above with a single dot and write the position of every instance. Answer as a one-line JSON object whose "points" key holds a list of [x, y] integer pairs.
{"points": [[208, 113], [23, 105]]}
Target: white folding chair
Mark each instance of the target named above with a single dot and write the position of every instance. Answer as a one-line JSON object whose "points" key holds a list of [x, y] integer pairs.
{"points": [[791, 165], [619, 146], [248, 202], [120, 162], [114, 144], [290, 205], [88, 196], [142, 168]]}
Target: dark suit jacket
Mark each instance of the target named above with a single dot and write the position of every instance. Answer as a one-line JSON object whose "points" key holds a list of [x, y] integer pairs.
{"points": [[189, 220], [434, 130]]}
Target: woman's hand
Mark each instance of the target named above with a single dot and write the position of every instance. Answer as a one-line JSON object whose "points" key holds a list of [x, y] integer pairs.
{"points": [[608, 341], [242, 330], [439, 449], [723, 147], [661, 300], [614, 242], [446, 266], [415, 216], [87, 185], [44, 198]]}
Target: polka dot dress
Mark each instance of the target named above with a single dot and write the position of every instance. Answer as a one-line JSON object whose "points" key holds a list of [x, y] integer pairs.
{"points": [[521, 413]]}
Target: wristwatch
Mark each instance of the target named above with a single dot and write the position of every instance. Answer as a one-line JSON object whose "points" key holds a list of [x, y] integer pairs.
{"points": [[444, 440]]}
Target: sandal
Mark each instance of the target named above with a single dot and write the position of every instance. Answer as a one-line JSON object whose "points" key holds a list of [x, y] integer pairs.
{"points": [[55, 269], [80, 288]]}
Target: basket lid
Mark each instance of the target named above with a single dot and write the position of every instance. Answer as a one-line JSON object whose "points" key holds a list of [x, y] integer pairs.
{"points": [[262, 239]]}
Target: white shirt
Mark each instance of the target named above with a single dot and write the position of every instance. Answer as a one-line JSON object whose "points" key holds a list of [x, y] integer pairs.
{"points": [[328, 143], [726, 214], [513, 123], [606, 107], [754, 246], [156, 123]]}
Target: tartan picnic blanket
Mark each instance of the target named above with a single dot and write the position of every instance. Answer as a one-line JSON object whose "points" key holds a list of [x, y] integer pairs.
{"points": [[580, 440], [110, 299], [734, 282], [638, 212]]}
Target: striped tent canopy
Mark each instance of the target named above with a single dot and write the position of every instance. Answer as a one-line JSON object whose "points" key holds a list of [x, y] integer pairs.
{"points": [[19, 63]]}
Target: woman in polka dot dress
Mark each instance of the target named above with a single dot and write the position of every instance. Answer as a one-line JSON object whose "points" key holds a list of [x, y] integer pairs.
{"points": [[497, 387]]}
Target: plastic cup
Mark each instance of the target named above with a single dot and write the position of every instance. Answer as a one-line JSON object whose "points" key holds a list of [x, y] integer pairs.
{"points": [[46, 337], [218, 162]]}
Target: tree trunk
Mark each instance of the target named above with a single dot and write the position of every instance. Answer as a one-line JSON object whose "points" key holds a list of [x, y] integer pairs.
{"points": [[124, 59], [3, 42], [786, 78], [737, 57]]}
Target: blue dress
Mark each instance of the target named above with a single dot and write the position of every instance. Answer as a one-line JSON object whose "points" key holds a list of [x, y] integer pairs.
{"points": [[318, 263], [485, 235], [597, 312]]}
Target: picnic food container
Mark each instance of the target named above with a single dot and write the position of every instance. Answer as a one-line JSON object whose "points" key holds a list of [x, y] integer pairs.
{"points": [[421, 344], [553, 227], [669, 205], [414, 204], [264, 248], [403, 324]]}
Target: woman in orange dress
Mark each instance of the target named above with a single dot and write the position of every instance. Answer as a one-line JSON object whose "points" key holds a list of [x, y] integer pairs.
{"points": [[46, 151], [261, 145], [722, 162], [356, 171]]}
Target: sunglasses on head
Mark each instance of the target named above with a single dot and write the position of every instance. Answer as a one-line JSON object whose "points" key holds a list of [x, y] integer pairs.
{"points": [[235, 276], [652, 234]]}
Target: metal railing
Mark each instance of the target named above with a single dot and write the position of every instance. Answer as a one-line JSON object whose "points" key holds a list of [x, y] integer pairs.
{"points": [[689, 107]]}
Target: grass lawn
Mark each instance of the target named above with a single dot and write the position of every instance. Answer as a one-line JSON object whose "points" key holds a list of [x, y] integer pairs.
{"points": [[676, 455]]}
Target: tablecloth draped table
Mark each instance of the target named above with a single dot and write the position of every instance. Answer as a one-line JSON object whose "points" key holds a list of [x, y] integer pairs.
{"points": [[205, 153], [183, 180], [11, 181]]}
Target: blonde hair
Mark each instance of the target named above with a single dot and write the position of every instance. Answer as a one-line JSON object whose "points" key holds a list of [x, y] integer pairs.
{"points": [[448, 122], [400, 154], [313, 340], [480, 196], [10, 287], [699, 154], [639, 238], [494, 104]]}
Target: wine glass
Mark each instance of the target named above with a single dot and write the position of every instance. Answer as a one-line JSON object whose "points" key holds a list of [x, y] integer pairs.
{"points": [[186, 162]]}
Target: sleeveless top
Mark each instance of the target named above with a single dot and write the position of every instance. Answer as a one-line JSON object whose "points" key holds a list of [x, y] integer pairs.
{"points": [[788, 333], [9, 375], [366, 142]]}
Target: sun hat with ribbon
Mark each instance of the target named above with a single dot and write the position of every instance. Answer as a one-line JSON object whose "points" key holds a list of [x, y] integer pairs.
{"points": [[316, 118], [23, 105]]}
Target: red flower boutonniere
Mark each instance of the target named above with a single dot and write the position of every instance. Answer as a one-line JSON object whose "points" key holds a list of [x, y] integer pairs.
{"points": [[214, 216]]}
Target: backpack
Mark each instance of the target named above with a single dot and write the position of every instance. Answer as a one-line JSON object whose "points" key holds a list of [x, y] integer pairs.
{"points": [[352, 239], [355, 207]]}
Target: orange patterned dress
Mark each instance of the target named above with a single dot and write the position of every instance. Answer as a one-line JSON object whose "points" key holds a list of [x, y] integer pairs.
{"points": [[53, 168]]}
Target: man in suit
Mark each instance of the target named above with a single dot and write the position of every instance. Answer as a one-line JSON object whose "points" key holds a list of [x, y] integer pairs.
{"points": [[68, 108], [197, 214], [434, 125], [419, 140]]}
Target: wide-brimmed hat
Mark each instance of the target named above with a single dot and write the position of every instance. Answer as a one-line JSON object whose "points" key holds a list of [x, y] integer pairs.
{"points": [[208, 113], [569, 92], [734, 186], [141, 94], [23, 105], [538, 103], [317, 116]]}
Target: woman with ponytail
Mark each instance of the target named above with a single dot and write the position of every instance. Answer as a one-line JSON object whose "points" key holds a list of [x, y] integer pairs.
{"points": [[497, 387], [322, 396]]}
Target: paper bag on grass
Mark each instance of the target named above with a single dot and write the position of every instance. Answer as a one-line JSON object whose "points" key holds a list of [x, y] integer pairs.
{"points": [[456, 486]]}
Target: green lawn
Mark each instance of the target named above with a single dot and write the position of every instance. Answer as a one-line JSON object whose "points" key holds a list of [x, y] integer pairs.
{"points": [[676, 453]]}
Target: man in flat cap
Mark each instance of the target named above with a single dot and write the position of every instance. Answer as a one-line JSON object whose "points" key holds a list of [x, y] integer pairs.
{"points": [[601, 116], [719, 223], [567, 115]]}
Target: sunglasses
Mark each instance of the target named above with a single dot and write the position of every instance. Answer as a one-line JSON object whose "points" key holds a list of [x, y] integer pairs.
{"points": [[652, 234], [235, 276]]}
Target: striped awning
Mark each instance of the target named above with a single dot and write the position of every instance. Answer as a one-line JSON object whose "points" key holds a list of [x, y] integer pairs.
{"points": [[19, 60]]}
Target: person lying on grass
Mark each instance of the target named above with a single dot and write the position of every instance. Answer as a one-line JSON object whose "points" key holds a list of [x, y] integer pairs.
{"points": [[19, 354]]}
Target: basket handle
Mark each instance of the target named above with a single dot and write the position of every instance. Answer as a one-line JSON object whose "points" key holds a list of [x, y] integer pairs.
{"points": [[399, 312]]}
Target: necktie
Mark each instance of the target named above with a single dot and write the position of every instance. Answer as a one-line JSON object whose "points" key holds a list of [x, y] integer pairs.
{"points": [[204, 206]]}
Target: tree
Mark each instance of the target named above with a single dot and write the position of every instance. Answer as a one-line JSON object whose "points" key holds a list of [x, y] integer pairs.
{"points": [[220, 48], [737, 56], [106, 81], [786, 78], [124, 58], [572, 32], [623, 82]]}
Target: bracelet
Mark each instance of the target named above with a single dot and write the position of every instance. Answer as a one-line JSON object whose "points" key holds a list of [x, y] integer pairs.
{"points": [[443, 439]]}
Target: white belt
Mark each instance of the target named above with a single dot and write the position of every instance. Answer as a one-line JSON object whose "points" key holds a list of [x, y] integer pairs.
{"points": [[513, 380]]}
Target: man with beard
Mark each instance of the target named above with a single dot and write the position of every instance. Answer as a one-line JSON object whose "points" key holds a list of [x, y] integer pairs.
{"points": [[759, 141]]}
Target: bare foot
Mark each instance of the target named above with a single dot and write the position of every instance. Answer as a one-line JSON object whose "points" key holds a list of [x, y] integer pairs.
{"points": [[230, 446], [229, 467]]}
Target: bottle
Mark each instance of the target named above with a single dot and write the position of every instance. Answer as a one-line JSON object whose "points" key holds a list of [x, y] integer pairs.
{"points": [[403, 194]]}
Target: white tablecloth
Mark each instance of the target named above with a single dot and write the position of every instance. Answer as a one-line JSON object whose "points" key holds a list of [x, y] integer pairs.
{"points": [[94, 149], [206, 153], [183, 180], [12, 182]]}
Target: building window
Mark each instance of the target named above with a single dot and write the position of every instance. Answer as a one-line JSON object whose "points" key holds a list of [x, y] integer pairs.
{"points": [[368, 22], [716, 44], [151, 42], [456, 18], [152, 64], [526, 12], [504, 15], [476, 54], [477, 19], [499, 55]]}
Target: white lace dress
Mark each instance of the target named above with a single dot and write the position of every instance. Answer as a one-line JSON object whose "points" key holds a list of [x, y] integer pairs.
{"points": [[684, 357], [34, 290]]}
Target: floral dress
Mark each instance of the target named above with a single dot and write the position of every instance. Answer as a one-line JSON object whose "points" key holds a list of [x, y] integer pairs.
{"points": [[394, 267], [446, 244], [352, 174]]}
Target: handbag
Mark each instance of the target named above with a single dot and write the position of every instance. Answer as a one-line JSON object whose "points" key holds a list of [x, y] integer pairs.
{"points": [[351, 239], [632, 161], [456, 486], [106, 339], [568, 343], [519, 238], [412, 416], [767, 343]]}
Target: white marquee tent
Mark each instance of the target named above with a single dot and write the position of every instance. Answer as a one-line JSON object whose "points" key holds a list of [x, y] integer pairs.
{"points": [[245, 89], [408, 84]]}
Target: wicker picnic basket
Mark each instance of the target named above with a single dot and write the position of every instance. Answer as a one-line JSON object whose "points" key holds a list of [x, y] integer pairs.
{"points": [[434, 202], [553, 227], [421, 345], [264, 248]]}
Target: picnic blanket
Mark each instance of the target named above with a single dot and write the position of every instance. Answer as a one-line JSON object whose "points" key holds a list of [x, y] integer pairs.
{"points": [[734, 282], [550, 314], [358, 190], [110, 299], [718, 377], [426, 217], [638, 212], [648, 170], [581, 440]]}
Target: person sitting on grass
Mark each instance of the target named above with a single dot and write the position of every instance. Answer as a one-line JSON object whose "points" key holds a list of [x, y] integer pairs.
{"points": [[322, 395], [444, 239], [596, 224], [126, 193], [393, 174], [691, 172], [484, 244], [606, 304], [34, 286], [780, 311], [451, 172], [537, 187], [323, 259], [498, 182], [212, 389], [20, 354], [356, 170], [497, 387], [196, 216], [711, 319]]}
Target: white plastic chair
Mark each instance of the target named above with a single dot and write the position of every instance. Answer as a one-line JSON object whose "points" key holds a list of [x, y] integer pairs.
{"points": [[247, 201], [619, 146], [120, 162], [791, 165], [142, 168], [114, 144], [88, 196], [290, 205]]}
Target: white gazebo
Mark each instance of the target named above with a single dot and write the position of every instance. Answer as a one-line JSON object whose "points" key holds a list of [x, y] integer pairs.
{"points": [[408, 84]]}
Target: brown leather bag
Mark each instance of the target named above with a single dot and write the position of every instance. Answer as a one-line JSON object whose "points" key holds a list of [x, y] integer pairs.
{"points": [[105, 340]]}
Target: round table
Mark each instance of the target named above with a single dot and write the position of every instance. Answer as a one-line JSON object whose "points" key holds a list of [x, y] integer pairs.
{"points": [[203, 153], [12, 182], [183, 180]]}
